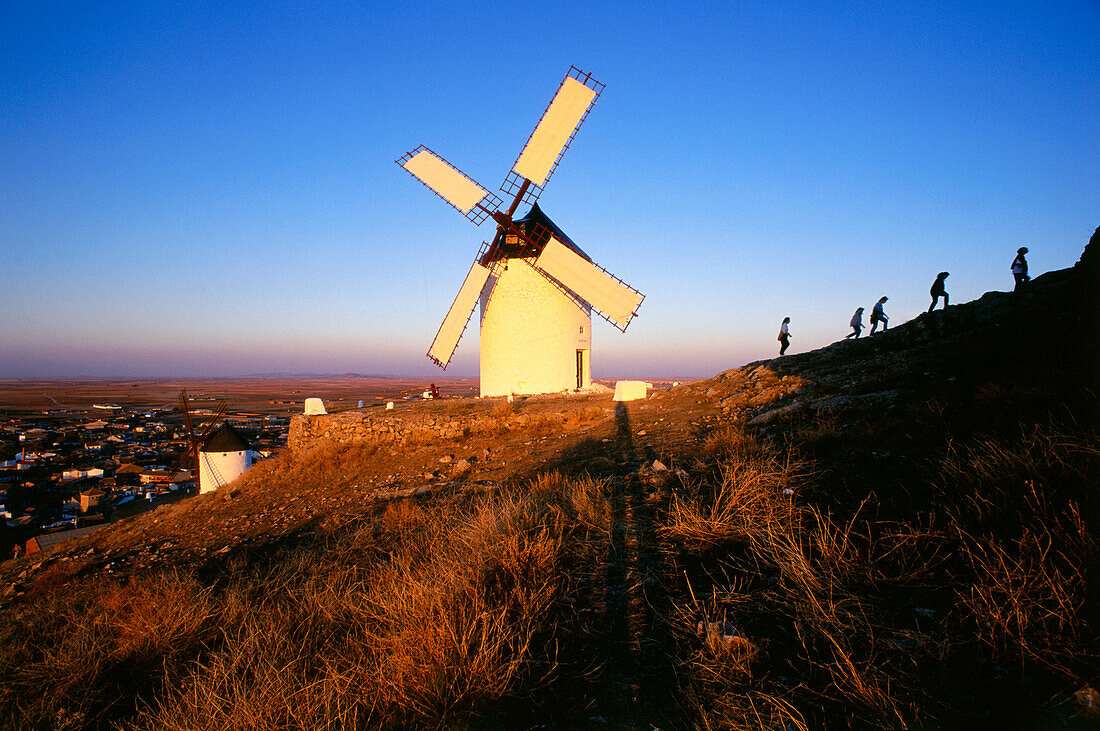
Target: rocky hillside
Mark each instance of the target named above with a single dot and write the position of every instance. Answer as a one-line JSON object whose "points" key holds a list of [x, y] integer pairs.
{"points": [[894, 531]]}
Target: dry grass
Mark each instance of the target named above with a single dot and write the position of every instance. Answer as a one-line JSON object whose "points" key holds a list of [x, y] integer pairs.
{"points": [[328, 464], [729, 441], [421, 615], [1026, 544], [752, 518], [1012, 544], [747, 505]]}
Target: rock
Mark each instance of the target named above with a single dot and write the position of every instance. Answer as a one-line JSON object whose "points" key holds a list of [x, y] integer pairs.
{"points": [[446, 459], [659, 466], [460, 467], [642, 433], [1088, 701], [773, 414]]}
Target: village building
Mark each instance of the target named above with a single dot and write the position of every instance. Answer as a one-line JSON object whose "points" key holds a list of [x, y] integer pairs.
{"points": [[90, 499], [48, 540]]}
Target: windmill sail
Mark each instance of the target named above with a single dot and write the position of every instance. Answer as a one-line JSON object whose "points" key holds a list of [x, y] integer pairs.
{"points": [[554, 131], [454, 324], [613, 299], [449, 183]]}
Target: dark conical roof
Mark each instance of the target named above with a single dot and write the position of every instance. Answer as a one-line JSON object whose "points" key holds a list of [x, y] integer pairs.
{"points": [[536, 218], [224, 439]]}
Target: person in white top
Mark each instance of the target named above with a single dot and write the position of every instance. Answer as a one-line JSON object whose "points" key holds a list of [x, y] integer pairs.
{"points": [[856, 323], [784, 336], [1019, 269], [877, 315]]}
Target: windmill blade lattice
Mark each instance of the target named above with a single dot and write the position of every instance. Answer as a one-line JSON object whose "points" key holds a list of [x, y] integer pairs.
{"points": [[457, 319], [451, 184], [610, 297], [564, 115], [215, 417], [195, 439]]}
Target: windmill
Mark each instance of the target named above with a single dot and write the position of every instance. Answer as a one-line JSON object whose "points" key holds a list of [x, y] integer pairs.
{"points": [[195, 438], [535, 286]]}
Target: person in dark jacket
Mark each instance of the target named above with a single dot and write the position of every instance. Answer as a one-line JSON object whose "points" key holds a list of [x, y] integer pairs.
{"points": [[877, 315], [784, 336], [938, 291], [1019, 269]]}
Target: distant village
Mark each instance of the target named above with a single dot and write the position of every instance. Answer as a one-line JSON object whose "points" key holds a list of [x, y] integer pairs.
{"points": [[66, 473]]}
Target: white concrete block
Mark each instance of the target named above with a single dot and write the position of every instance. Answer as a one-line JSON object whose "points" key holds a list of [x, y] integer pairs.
{"points": [[315, 406], [630, 390]]}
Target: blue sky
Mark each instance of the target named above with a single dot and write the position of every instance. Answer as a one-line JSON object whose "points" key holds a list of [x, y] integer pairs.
{"points": [[209, 189]]}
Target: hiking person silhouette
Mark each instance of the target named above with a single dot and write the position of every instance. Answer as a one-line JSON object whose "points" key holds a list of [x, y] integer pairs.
{"points": [[784, 336], [1019, 269], [877, 315], [938, 291], [856, 323]]}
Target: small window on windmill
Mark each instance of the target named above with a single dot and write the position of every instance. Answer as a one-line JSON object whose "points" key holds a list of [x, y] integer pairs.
{"points": [[513, 244]]}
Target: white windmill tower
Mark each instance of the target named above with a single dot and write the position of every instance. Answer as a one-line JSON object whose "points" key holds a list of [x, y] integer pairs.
{"points": [[537, 289], [224, 456]]}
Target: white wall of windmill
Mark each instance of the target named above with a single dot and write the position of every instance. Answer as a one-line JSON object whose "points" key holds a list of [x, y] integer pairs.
{"points": [[531, 333], [217, 469]]}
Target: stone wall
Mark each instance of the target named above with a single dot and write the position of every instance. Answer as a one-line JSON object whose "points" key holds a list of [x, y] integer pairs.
{"points": [[357, 427]]}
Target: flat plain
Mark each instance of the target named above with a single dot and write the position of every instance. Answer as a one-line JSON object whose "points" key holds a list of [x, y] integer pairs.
{"points": [[256, 394]]}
